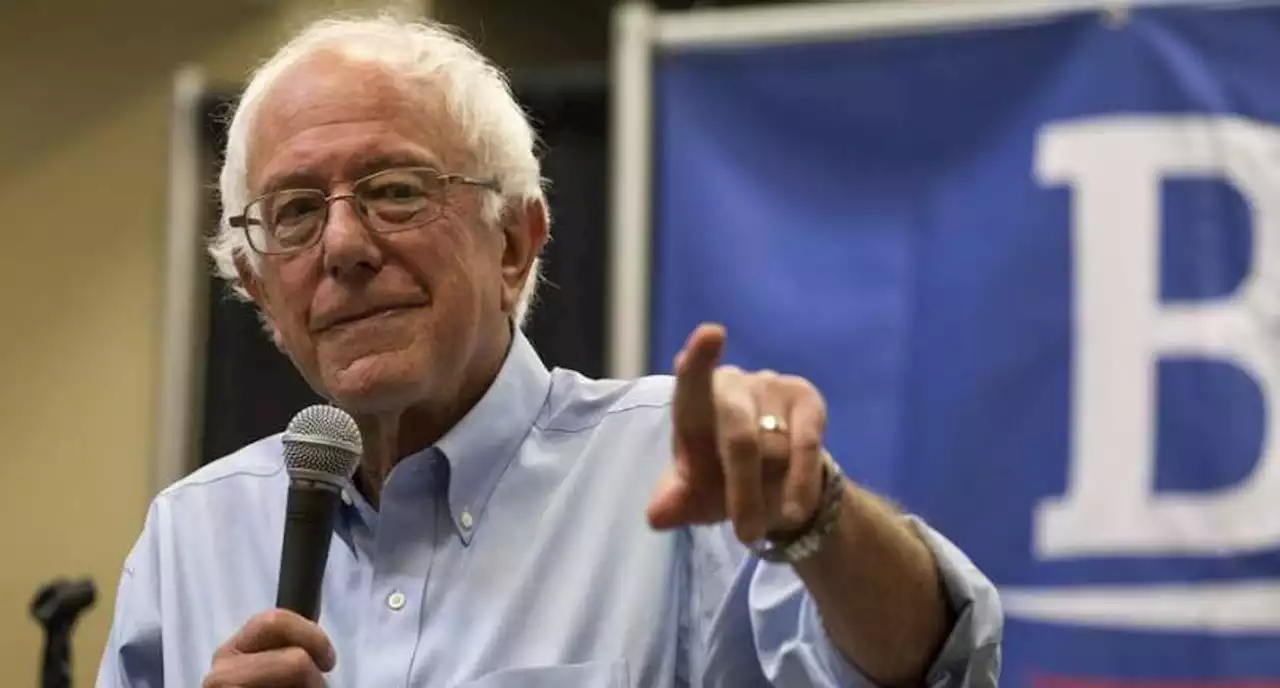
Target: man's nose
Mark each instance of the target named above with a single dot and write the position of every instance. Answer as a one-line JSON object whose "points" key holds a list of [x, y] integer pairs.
{"points": [[350, 249]]}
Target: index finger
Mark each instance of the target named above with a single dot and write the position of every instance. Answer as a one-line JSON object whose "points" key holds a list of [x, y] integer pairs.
{"points": [[696, 363], [278, 628]]}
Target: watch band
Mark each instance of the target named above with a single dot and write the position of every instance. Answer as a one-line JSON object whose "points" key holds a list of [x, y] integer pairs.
{"points": [[806, 542]]}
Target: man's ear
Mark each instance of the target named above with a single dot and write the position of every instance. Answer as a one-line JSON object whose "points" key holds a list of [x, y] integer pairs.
{"points": [[252, 285], [524, 233]]}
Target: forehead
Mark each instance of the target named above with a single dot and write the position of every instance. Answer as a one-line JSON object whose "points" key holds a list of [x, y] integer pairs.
{"points": [[327, 117]]}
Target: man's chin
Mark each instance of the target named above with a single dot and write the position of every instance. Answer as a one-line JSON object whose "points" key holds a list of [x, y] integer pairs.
{"points": [[381, 383]]}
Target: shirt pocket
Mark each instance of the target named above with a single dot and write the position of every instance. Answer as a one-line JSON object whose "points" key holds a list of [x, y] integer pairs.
{"points": [[600, 674]]}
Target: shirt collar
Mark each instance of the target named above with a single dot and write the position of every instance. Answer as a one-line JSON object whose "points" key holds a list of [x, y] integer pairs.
{"points": [[480, 447]]}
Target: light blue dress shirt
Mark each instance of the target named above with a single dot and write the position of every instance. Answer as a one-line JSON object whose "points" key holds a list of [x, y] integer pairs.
{"points": [[513, 553]]}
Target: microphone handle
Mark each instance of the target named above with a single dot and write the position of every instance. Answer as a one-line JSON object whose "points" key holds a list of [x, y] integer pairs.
{"points": [[310, 515]]}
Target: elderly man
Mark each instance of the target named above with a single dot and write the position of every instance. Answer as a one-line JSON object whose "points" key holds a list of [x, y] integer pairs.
{"points": [[507, 525]]}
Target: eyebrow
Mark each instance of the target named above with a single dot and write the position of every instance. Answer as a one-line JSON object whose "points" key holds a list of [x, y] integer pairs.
{"points": [[297, 179], [386, 161], [306, 179]]}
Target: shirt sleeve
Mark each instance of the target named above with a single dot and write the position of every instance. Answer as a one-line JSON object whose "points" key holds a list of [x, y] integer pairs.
{"points": [[133, 656], [751, 623]]}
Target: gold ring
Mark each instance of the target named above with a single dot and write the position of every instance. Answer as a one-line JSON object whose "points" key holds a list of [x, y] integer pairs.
{"points": [[772, 423]]}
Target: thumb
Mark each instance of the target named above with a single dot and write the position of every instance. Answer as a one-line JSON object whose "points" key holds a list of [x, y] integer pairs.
{"points": [[669, 505], [677, 502]]}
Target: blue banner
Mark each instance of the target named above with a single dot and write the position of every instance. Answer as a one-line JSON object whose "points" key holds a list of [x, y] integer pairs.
{"points": [[1036, 272]]}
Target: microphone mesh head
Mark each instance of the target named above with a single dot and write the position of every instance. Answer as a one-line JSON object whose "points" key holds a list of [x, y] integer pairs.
{"points": [[322, 443]]}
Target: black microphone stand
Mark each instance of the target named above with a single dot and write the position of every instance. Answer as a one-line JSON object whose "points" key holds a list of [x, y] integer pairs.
{"points": [[57, 606]]}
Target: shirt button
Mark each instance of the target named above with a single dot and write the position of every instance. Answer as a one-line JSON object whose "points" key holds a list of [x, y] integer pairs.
{"points": [[395, 601], [466, 520]]}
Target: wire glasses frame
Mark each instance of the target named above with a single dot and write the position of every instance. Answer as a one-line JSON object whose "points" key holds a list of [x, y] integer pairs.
{"points": [[392, 200]]}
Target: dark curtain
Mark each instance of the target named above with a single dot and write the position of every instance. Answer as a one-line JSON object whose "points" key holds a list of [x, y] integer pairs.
{"points": [[569, 109], [252, 390]]}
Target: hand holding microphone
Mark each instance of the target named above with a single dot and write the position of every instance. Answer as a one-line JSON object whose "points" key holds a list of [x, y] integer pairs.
{"points": [[285, 646], [275, 648]]}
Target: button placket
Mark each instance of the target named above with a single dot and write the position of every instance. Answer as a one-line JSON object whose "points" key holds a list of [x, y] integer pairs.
{"points": [[405, 550]]}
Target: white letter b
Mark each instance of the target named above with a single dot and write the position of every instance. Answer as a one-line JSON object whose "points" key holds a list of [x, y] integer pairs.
{"points": [[1114, 167]]}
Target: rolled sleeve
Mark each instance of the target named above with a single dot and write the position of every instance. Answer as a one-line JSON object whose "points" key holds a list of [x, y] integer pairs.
{"points": [[767, 631], [970, 658]]}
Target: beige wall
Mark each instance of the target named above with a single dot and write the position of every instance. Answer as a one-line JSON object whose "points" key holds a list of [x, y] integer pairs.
{"points": [[84, 133]]}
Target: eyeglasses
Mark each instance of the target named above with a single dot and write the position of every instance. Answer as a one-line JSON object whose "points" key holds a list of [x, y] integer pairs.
{"points": [[393, 200]]}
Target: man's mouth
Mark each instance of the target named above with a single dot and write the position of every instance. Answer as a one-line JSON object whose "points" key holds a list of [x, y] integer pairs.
{"points": [[361, 316]]}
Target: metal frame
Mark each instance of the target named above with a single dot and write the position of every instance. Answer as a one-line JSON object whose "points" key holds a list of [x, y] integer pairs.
{"points": [[185, 283], [640, 32]]}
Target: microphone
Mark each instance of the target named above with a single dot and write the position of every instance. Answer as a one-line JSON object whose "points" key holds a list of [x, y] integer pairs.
{"points": [[322, 446]]}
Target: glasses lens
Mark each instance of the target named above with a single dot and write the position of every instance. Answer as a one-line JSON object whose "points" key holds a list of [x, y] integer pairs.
{"points": [[286, 221], [396, 200]]}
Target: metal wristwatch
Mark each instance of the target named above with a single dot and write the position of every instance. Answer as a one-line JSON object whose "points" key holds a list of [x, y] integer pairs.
{"points": [[805, 542]]}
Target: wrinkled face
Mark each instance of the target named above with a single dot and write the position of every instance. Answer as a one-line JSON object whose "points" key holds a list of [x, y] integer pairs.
{"points": [[380, 322]]}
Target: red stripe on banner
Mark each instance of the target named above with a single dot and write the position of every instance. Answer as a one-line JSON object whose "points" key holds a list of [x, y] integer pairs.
{"points": [[1044, 681]]}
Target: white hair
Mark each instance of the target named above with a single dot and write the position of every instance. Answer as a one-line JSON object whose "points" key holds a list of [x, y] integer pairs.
{"points": [[477, 96]]}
